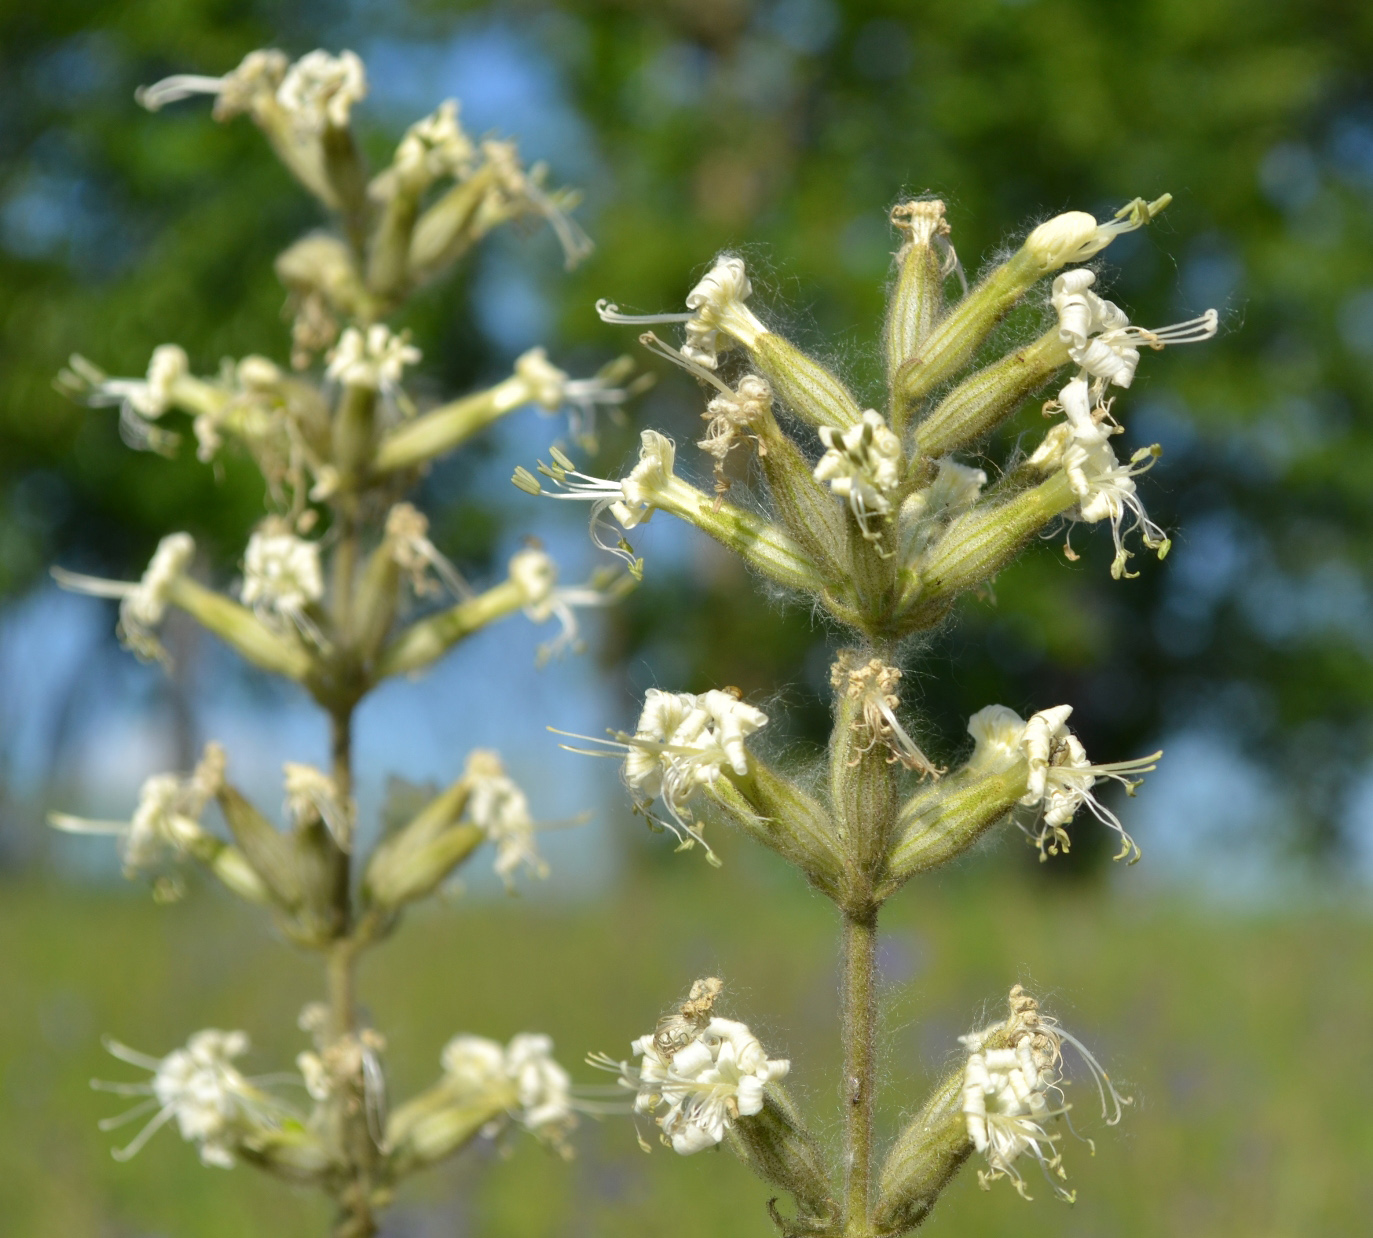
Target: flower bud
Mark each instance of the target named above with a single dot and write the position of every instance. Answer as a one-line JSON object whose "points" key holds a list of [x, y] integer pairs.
{"points": [[448, 426], [290, 1152], [412, 861], [805, 386], [922, 263], [268, 853], [424, 642], [444, 232], [924, 1159], [280, 653], [776, 1145], [977, 546], [437, 1123], [777, 813], [805, 506], [354, 433], [943, 819], [231, 866], [323, 265], [983, 400]]}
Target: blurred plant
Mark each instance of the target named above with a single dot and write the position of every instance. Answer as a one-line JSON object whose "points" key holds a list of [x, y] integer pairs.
{"points": [[883, 528], [326, 577]]}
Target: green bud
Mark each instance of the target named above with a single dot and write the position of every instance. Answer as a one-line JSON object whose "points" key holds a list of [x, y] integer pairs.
{"points": [[976, 546], [290, 1152], [347, 175], [237, 626], [416, 858], [437, 1123], [862, 780], [917, 297], [270, 854], [751, 537], [781, 816], [943, 819], [354, 433], [231, 866], [424, 642], [323, 264], [806, 507], [448, 426], [388, 259], [983, 400], [776, 1145], [378, 593], [924, 1159], [444, 232], [805, 386]]}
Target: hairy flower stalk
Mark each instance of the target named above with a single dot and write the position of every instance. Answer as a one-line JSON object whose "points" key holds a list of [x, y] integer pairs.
{"points": [[884, 528], [342, 585]]}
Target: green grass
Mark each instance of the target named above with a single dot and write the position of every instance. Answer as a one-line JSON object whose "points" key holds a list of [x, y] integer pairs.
{"points": [[1245, 1041]]}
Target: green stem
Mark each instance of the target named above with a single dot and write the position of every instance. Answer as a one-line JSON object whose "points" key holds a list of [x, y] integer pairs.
{"points": [[860, 1034]]}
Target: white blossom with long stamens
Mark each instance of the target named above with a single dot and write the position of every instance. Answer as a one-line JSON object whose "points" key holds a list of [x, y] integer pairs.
{"points": [[1100, 338], [716, 315], [212, 1103], [1081, 447], [536, 574], [1061, 778], [682, 744], [256, 78], [708, 1078], [552, 390], [497, 806], [630, 500], [139, 400], [1011, 1095], [407, 536], [862, 466], [166, 820], [142, 604]]}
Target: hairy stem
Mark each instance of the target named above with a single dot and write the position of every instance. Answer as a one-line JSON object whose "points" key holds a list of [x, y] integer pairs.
{"points": [[860, 1033]]}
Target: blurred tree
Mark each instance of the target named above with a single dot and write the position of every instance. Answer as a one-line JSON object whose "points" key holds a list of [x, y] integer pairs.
{"points": [[784, 129]]}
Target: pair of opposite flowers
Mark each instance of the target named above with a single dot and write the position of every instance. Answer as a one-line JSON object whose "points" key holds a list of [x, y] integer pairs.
{"points": [[696, 1077]]}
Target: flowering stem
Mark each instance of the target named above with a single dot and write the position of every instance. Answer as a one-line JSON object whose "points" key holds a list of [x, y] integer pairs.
{"points": [[859, 1033]]}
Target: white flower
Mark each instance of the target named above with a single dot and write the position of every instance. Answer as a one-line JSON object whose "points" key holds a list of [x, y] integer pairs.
{"points": [[313, 797], [1076, 236], [1013, 1089], [538, 1088], [498, 807], [1081, 447], [1060, 778], [536, 575], [244, 90], [199, 1087], [139, 400], [862, 465], [166, 818], [682, 744], [955, 488], [143, 605], [1099, 336], [717, 316], [282, 578], [407, 530], [631, 500], [375, 360], [707, 1077], [319, 90], [552, 390], [431, 149]]}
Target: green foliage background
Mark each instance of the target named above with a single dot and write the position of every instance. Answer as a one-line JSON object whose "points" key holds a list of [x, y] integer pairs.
{"points": [[784, 130]]}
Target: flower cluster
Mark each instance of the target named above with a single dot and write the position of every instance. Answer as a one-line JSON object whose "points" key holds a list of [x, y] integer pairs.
{"points": [[536, 1089]]}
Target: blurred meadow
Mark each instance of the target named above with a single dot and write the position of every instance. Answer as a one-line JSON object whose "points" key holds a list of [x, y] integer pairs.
{"points": [[1225, 980]]}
